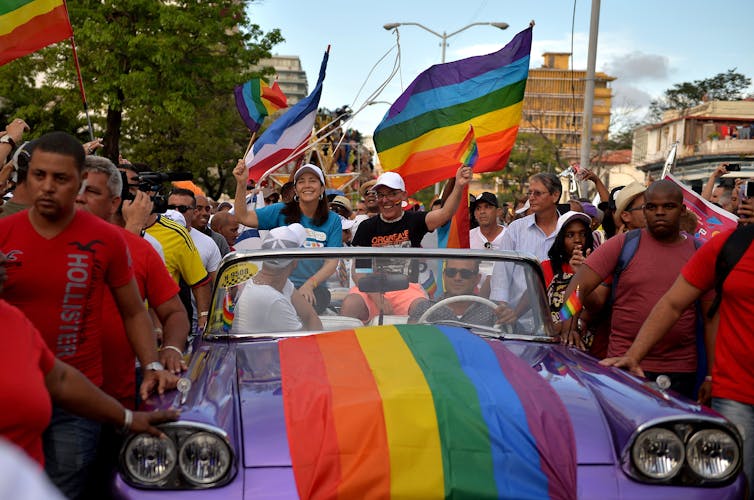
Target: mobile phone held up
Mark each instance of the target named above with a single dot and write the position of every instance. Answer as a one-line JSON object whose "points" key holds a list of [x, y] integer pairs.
{"points": [[747, 189], [733, 167]]}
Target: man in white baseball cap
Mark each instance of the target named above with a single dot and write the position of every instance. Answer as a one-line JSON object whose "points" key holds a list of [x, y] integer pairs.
{"points": [[394, 227]]}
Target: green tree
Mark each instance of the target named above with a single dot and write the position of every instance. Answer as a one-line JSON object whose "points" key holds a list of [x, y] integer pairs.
{"points": [[159, 78], [728, 86]]}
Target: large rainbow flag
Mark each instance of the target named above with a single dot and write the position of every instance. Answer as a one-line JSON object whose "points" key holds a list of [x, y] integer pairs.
{"points": [[256, 99], [416, 411], [421, 132], [29, 25]]}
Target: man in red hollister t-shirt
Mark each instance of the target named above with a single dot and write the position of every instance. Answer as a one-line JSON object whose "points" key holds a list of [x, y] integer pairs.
{"points": [[59, 262]]}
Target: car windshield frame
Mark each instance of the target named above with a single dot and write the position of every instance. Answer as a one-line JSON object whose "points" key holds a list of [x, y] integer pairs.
{"points": [[239, 267]]}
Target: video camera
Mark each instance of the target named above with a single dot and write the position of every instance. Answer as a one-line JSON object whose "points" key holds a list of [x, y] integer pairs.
{"points": [[151, 182]]}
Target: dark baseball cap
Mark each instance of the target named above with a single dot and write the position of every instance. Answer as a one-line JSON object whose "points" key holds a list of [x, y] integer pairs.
{"points": [[488, 198]]}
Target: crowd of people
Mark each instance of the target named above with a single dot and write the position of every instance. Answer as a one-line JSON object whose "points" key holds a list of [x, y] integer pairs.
{"points": [[82, 247]]}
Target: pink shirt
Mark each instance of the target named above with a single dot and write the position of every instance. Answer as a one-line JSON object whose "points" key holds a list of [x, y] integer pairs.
{"points": [[650, 273]]}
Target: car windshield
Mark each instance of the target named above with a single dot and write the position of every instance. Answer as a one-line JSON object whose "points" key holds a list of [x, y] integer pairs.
{"points": [[276, 293]]}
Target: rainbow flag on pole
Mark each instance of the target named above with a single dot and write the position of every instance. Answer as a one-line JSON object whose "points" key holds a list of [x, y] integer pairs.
{"points": [[419, 137], [256, 99], [572, 306], [416, 411], [469, 152], [29, 25], [228, 312]]}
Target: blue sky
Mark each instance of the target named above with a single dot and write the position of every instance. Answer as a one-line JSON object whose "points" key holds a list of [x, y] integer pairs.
{"points": [[648, 44]]}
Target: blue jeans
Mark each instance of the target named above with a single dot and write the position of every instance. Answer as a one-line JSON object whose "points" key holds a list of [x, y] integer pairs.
{"points": [[70, 447], [742, 415]]}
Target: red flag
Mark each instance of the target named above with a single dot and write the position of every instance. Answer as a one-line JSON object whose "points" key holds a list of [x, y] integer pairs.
{"points": [[458, 230], [26, 27]]}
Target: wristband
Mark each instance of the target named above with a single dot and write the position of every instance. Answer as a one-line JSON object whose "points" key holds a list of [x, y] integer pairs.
{"points": [[314, 282], [708, 378], [203, 314], [128, 418], [173, 348]]}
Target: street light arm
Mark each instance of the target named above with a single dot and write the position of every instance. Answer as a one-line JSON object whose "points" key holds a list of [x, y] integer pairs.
{"points": [[395, 25], [502, 26]]}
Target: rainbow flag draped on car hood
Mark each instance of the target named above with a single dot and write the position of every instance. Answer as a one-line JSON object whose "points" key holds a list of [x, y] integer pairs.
{"points": [[421, 133], [418, 411]]}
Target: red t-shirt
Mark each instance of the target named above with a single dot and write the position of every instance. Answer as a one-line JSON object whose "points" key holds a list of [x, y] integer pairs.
{"points": [[732, 375], [653, 269], [24, 362], [156, 286], [58, 283]]}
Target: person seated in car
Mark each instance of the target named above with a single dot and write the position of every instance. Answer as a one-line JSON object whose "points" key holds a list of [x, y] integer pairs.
{"points": [[460, 277], [269, 302]]}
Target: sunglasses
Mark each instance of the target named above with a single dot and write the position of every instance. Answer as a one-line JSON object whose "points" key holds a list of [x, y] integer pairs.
{"points": [[451, 272], [181, 208]]}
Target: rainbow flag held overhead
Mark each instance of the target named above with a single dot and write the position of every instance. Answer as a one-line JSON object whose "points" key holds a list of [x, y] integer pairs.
{"points": [[420, 135], [572, 306], [256, 99], [469, 152], [457, 233], [418, 411], [29, 25]]}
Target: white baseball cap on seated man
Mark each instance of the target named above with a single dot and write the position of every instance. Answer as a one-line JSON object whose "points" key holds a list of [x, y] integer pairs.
{"points": [[281, 238], [312, 169], [392, 180]]}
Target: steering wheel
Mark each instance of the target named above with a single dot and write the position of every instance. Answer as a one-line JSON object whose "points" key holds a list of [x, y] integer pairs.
{"points": [[453, 300]]}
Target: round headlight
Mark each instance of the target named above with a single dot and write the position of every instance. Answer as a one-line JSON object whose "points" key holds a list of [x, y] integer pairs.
{"points": [[149, 459], [713, 454], [658, 453], [204, 458]]}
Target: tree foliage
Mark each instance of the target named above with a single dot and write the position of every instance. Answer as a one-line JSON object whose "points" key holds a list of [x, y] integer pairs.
{"points": [[159, 78], [728, 86]]}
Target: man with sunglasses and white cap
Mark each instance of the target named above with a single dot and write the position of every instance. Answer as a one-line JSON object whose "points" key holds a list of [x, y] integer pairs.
{"points": [[394, 227]]}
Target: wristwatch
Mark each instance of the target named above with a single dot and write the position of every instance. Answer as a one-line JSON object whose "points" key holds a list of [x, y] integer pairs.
{"points": [[154, 366], [7, 139]]}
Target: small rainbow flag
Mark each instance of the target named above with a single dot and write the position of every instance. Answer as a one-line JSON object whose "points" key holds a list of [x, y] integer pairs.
{"points": [[468, 152], [228, 312], [256, 99], [29, 25], [572, 306], [418, 411]]}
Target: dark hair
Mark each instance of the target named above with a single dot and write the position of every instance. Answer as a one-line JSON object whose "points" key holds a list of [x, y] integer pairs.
{"points": [[292, 212], [183, 192], [557, 253], [550, 180], [288, 186], [61, 143]]}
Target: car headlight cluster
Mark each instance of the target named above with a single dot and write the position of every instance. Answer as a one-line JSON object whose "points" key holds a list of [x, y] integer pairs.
{"points": [[192, 457], [686, 454]]}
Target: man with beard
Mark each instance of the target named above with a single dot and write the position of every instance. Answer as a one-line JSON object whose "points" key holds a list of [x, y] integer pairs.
{"points": [[662, 252]]}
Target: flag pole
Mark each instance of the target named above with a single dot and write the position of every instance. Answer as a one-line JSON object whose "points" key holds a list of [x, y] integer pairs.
{"points": [[78, 74], [251, 141]]}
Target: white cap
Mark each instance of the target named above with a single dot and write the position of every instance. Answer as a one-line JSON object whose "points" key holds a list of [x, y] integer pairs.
{"points": [[346, 224], [571, 216], [523, 209], [392, 180], [291, 236], [176, 216], [309, 168]]}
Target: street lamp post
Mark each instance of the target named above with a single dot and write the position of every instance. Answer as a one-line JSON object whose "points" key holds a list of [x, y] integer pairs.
{"points": [[444, 37]]}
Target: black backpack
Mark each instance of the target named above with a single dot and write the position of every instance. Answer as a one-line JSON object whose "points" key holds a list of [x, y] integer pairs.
{"points": [[733, 249]]}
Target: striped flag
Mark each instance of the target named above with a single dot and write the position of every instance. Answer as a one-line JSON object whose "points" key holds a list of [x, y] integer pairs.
{"points": [[256, 99], [29, 25], [228, 312], [286, 138], [469, 152], [457, 233], [572, 306], [419, 411], [421, 133]]}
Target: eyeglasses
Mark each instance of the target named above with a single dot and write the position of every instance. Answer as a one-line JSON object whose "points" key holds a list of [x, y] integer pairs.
{"points": [[487, 244], [651, 207], [339, 209], [451, 272], [181, 208], [536, 194], [392, 195], [640, 207], [370, 193]]}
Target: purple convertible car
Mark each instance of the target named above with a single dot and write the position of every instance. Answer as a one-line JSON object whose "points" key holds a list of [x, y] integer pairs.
{"points": [[442, 393]]}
